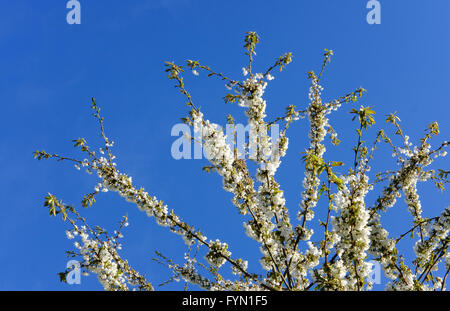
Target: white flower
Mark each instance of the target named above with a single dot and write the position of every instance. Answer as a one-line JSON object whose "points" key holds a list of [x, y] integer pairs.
{"points": [[69, 235], [447, 261]]}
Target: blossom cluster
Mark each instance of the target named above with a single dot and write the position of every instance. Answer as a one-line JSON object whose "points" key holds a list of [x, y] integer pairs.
{"points": [[293, 257], [102, 259]]}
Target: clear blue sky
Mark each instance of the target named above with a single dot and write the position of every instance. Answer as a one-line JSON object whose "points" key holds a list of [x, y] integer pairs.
{"points": [[49, 70]]}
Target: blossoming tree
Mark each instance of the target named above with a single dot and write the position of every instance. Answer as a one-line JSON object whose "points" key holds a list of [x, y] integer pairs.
{"points": [[295, 258]]}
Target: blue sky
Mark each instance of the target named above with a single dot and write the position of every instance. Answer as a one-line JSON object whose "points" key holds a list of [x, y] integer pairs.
{"points": [[50, 70]]}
